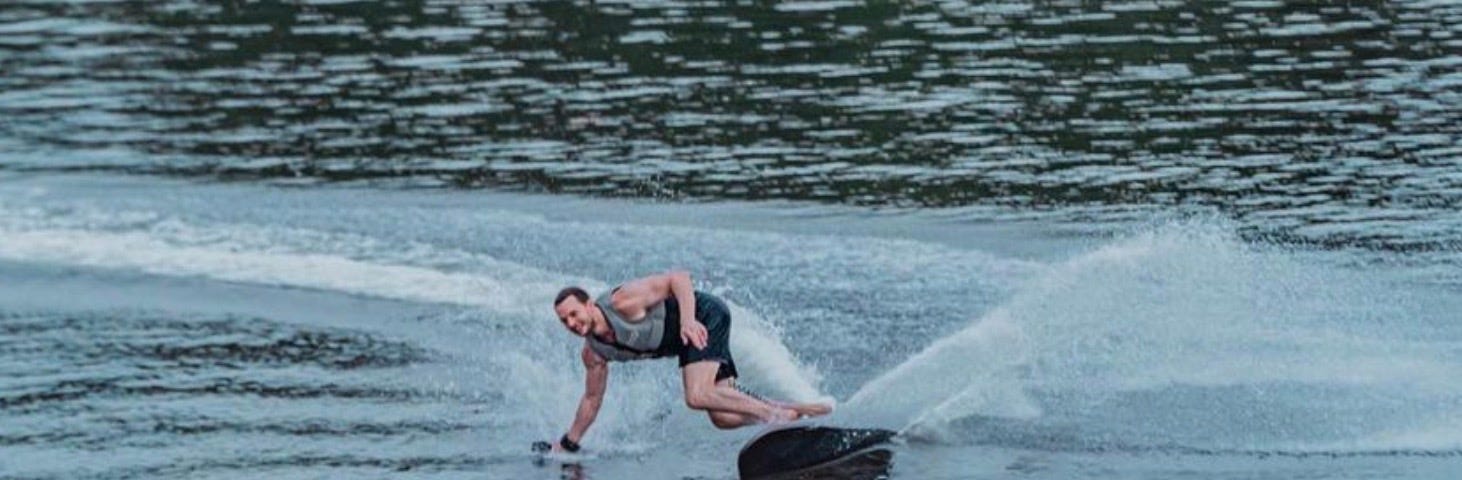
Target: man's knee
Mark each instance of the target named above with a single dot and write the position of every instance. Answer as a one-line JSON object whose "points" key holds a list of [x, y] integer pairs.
{"points": [[726, 421], [698, 399], [700, 385]]}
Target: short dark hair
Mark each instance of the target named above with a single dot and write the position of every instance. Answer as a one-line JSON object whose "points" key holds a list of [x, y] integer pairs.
{"points": [[567, 292]]}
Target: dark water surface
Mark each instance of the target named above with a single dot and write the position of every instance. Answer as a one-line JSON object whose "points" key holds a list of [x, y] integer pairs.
{"points": [[1335, 122]]}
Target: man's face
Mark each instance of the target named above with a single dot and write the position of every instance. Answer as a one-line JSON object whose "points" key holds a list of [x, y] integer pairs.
{"points": [[574, 315]]}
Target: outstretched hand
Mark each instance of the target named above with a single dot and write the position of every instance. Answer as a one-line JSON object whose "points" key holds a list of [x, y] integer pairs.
{"points": [[693, 333]]}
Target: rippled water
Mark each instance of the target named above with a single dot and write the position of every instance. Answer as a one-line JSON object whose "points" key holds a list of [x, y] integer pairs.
{"points": [[1032, 309], [1332, 122]]}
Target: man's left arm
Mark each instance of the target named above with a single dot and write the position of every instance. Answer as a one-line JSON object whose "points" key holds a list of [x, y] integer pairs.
{"points": [[644, 294], [692, 332]]}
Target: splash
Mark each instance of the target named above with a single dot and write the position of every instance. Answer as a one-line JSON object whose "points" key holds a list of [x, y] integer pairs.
{"points": [[970, 371], [1179, 334], [757, 346]]}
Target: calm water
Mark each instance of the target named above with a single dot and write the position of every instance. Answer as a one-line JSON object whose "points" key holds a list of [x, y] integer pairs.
{"points": [[1147, 239]]}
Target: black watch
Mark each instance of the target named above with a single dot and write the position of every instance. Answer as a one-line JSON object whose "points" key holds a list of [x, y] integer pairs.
{"points": [[568, 445]]}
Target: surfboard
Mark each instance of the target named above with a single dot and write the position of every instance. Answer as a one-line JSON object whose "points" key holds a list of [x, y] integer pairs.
{"points": [[810, 451]]}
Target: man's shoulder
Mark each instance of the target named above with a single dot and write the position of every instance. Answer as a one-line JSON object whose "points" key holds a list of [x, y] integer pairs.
{"points": [[623, 297], [590, 355]]}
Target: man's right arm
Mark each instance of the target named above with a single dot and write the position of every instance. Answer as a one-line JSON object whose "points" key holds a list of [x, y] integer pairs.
{"points": [[596, 377]]}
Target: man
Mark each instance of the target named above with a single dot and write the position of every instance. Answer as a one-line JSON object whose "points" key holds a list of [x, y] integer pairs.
{"points": [[660, 316]]}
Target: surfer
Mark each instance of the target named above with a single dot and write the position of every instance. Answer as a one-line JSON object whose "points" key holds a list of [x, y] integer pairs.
{"points": [[662, 316]]}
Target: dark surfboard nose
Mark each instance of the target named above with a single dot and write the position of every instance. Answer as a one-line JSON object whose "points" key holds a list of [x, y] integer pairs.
{"points": [[808, 452]]}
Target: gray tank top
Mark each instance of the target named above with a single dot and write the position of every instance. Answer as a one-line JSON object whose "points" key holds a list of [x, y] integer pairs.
{"points": [[633, 340]]}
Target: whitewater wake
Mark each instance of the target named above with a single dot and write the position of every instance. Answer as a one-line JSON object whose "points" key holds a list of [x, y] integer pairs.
{"points": [[1184, 334]]}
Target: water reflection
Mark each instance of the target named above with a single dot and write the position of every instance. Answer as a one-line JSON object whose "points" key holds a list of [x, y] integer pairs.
{"points": [[1329, 121]]}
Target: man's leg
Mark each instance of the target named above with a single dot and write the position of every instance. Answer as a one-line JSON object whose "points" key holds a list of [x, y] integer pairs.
{"points": [[729, 420], [728, 407]]}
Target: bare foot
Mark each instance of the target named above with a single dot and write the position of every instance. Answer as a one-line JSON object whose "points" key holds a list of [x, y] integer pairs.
{"points": [[811, 409], [782, 415]]}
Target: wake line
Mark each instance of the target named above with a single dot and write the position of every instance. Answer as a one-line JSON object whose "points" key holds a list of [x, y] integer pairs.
{"points": [[301, 270], [756, 344]]}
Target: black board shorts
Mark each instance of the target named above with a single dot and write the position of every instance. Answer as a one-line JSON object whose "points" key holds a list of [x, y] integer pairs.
{"points": [[712, 313]]}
